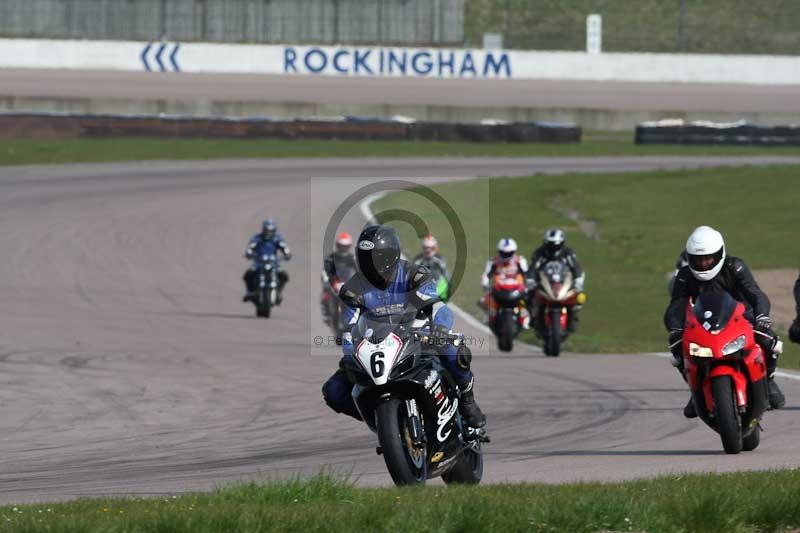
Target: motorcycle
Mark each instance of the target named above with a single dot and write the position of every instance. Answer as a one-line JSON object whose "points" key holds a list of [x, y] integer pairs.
{"points": [[506, 308], [330, 296], [266, 294], [726, 370], [555, 293], [410, 401]]}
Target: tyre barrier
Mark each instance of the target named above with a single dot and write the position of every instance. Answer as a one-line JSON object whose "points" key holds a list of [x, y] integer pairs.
{"points": [[703, 132], [55, 125]]}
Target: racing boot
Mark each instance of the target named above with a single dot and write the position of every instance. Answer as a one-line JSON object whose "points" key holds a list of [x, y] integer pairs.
{"points": [[689, 411], [248, 296], [468, 407], [776, 398]]}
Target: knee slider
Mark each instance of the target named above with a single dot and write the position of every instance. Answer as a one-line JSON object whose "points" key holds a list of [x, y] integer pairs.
{"points": [[464, 358]]}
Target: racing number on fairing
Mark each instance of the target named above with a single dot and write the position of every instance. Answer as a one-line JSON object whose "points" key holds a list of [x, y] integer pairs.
{"points": [[378, 366]]}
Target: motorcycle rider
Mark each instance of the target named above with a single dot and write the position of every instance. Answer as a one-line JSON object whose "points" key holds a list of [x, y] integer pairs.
{"points": [[341, 258], [794, 329], [386, 285], [267, 242], [554, 248], [711, 269], [682, 261], [429, 257], [508, 263]]}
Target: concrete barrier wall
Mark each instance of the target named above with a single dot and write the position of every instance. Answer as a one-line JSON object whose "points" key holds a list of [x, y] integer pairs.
{"points": [[396, 62]]}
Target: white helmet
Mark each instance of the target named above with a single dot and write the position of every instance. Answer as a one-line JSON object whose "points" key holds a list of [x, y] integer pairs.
{"points": [[506, 248], [705, 242]]}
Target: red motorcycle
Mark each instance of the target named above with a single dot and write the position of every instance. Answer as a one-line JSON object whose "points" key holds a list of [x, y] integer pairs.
{"points": [[506, 308], [726, 370], [555, 293]]}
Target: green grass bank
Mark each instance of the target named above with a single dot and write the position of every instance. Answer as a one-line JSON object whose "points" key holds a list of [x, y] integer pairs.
{"points": [[742, 502], [36, 151]]}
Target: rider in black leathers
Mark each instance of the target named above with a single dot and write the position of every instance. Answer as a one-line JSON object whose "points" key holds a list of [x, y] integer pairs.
{"points": [[794, 329], [554, 248], [725, 273]]}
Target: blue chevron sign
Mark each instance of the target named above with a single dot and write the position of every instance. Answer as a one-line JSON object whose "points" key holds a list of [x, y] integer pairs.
{"points": [[155, 52]]}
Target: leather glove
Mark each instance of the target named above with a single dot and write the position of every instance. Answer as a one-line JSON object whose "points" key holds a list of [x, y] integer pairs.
{"points": [[794, 330], [439, 336], [763, 323]]}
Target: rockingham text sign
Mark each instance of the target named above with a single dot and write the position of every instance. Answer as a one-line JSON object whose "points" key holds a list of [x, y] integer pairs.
{"points": [[172, 58], [434, 63]]}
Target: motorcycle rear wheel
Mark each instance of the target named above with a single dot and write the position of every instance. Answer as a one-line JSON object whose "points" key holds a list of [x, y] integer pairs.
{"points": [[726, 415], [405, 465]]}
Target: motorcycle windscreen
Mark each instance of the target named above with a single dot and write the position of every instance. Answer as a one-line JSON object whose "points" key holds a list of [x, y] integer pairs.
{"points": [[713, 310]]}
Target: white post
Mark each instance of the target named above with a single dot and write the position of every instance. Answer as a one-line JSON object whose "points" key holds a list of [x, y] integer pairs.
{"points": [[594, 34]]}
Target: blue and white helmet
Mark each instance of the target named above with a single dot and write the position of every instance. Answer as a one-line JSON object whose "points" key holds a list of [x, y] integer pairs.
{"points": [[506, 248]]}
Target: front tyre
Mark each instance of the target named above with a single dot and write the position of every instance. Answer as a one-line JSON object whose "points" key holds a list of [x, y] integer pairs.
{"points": [[407, 465], [552, 342], [264, 303], [726, 414], [468, 469], [505, 331]]}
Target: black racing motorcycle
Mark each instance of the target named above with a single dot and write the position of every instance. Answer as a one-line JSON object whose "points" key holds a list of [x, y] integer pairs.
{"points": [[405, 395], [268, 286]]}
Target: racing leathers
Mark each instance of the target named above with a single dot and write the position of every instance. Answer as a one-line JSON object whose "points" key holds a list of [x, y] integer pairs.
{"points": [[540, 257], [436, 265], [737, 280], [794, 329], [257, 248], [411, 289], [344, 262]]}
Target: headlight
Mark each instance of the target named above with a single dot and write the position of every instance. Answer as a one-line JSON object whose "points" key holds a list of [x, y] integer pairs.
{"points": [[733, 346], [513, 294], [695, 350]]}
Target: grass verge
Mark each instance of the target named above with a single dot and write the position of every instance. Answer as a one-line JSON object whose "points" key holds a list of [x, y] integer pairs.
{"points": [[761, 501], [35, 151], [642, 221]]}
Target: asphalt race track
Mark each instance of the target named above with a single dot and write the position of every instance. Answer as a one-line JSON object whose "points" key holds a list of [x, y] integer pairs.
{"points": [[560, 94], [128, 364]]}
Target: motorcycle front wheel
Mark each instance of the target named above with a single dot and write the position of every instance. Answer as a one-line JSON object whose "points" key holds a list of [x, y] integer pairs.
{"points": [[406, 464], [264, 303], [727, 418], [505, 331], [552, 342]]}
